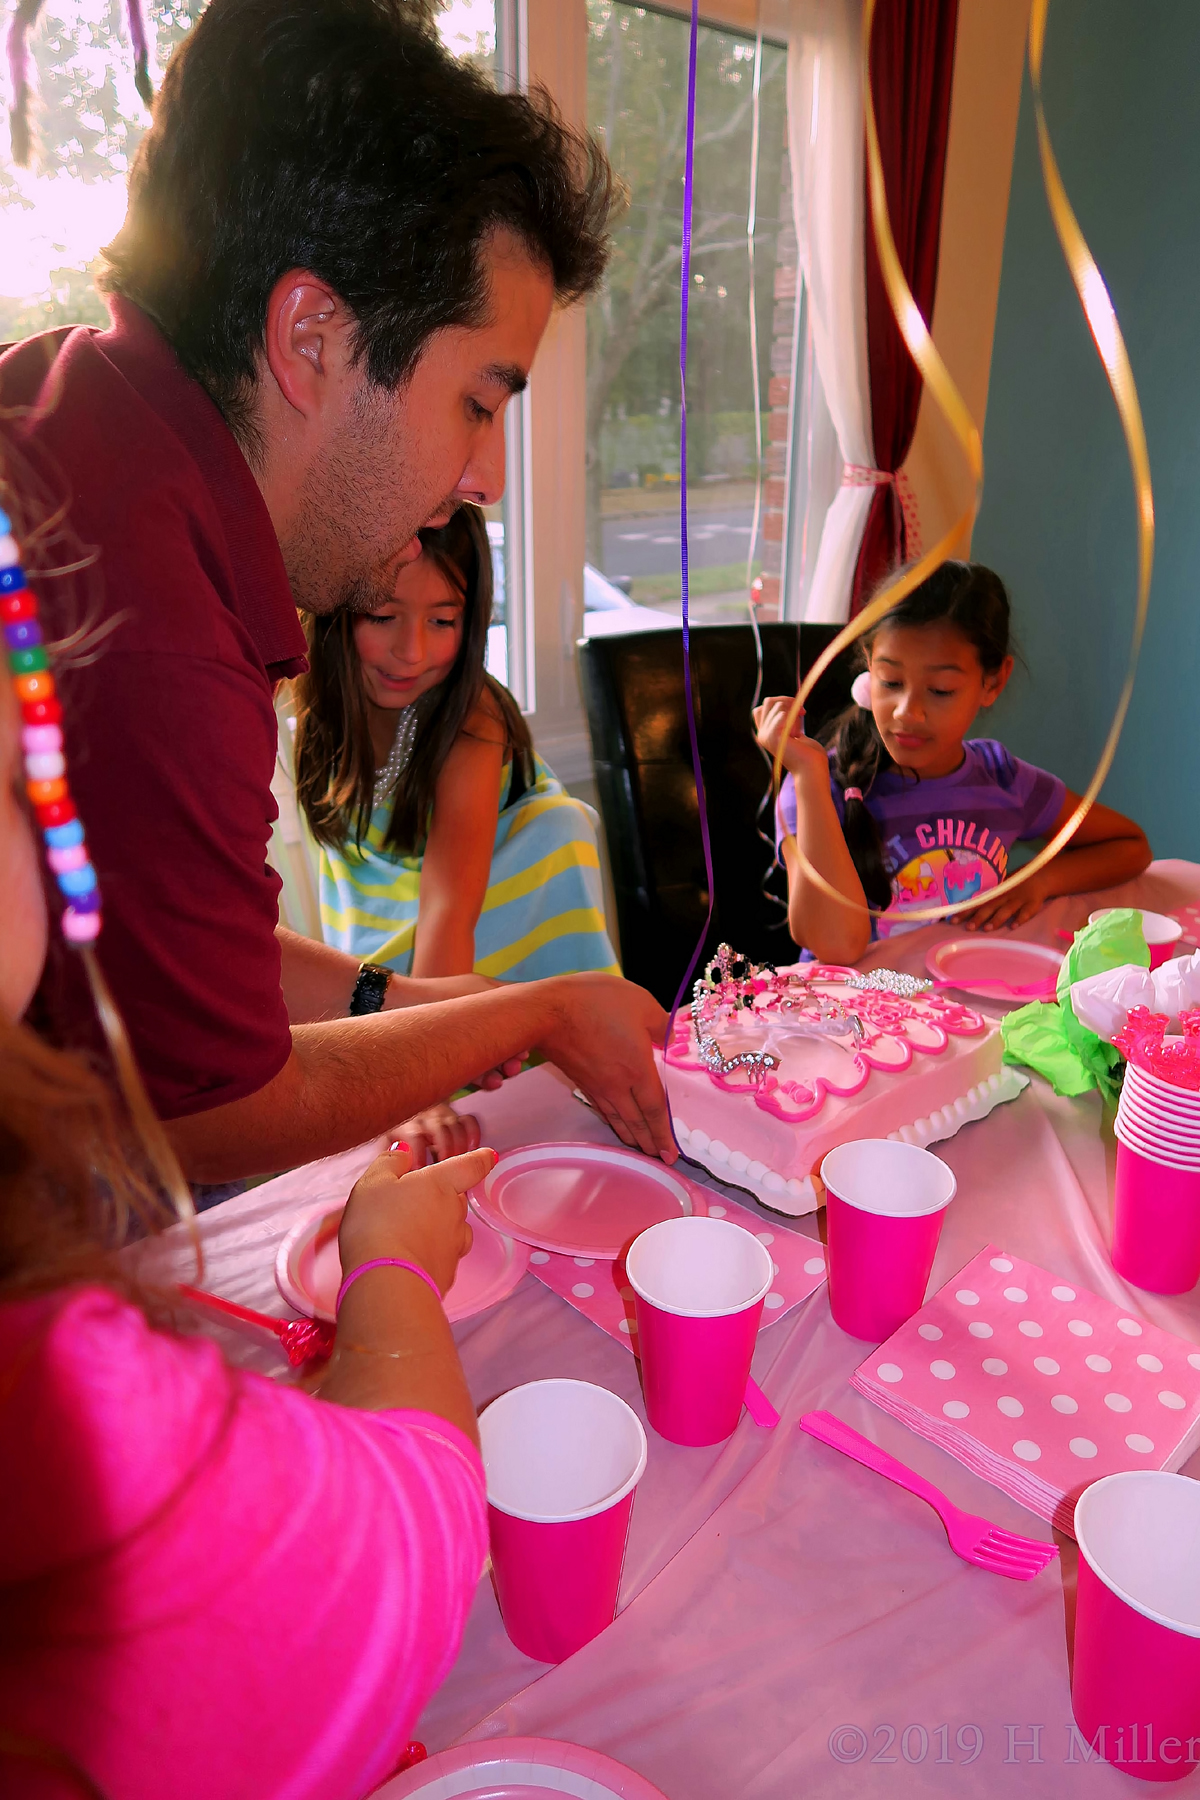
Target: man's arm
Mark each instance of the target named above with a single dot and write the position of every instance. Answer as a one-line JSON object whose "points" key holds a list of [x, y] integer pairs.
{"points": [[348, 1080], [318, 980]]}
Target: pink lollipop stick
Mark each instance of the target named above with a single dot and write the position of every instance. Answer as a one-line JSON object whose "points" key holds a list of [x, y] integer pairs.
{"points": [[303, 1340]]}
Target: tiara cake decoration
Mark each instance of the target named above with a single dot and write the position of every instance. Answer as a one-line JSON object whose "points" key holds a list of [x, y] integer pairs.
{"points": [[768, 1069]]}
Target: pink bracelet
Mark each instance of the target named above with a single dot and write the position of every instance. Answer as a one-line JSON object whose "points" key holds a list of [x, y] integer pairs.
{"points": [[386, 1262]]}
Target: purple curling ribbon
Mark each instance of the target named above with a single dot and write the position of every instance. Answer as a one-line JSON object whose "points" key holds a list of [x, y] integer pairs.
{"points": [[141, 51], [685, 282]]}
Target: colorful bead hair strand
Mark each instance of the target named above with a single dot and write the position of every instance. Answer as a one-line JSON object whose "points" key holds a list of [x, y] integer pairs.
{"points": [[67, 855], [42, 744]]}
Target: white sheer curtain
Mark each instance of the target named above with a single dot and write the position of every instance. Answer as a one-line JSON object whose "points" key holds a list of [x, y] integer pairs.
{"points": [[825, 130]]}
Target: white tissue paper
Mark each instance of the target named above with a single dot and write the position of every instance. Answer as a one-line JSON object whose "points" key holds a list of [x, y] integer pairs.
{"points": [[1177, 985], [1103, 1002]]}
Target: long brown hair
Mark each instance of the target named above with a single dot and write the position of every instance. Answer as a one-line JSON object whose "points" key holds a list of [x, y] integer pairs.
{"points": [[335, 760], [73, 1176], [72, 1173], [974, 600]]}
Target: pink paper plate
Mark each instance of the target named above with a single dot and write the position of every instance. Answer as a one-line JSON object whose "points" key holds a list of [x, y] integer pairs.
{"points": [[308, 1269], [519, 1769], [582, 1199], [972, 963]]}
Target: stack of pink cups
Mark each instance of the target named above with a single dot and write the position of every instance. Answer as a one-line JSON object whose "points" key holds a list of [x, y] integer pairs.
{"points": [[1156, 1223]]}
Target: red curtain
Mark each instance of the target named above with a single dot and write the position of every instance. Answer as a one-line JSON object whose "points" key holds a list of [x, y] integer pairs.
{"points": [[912, 72]]}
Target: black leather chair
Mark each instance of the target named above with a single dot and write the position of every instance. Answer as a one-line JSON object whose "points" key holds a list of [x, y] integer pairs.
{"points": [[633, 692]]}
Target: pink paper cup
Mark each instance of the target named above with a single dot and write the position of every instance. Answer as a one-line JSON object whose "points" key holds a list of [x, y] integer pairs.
{"points": [[1165, 1146], [884, 1202], [1157, 1123], [1161, 932], [563, 1459], [1154, 1090], [1135, 1687], [1156, 1223], [1159, 1101], [699, 1287]]}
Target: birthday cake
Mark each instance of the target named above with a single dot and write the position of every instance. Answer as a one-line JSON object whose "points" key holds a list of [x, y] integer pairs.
{"points": [[768, 1069]]}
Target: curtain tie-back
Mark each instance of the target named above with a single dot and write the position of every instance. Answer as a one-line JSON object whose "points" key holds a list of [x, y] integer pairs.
{"points": [[858, 475], [855, 475]]}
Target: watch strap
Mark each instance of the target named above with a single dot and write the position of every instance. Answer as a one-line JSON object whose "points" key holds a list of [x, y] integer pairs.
{"points": [[369, 989]]}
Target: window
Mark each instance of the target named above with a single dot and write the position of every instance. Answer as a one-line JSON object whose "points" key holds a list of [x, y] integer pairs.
{"points": [[469, 28], [86, 120], [637, 95]]}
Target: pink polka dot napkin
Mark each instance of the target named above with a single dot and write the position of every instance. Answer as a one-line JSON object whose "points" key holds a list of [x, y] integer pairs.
{"points": [[601, 1293], [1038, 1385]]}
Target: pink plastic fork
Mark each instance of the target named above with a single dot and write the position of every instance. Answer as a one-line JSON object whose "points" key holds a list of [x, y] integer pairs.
{"points": [[972, 1537], [759, 1407], [1046, 989]]}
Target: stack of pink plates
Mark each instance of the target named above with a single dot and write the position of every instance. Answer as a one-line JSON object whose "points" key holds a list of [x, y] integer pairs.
{"points": [[1158, 1120]]}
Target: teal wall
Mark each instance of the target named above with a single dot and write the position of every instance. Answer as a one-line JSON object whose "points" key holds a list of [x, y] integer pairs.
{"points": [[1122, 85]]}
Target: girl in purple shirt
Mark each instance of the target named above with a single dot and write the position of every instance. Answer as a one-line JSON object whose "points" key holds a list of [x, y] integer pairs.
{"points": [[898, 813]]}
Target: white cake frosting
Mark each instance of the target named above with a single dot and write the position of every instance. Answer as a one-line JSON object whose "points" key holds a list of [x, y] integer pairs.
{"points": [[768, 1070]]}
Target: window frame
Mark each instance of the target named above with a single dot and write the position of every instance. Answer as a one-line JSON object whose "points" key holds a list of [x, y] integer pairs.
{"points": [[544, 42]]}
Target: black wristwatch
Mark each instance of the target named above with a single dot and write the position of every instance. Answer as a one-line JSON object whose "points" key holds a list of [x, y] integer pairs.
{"points": [[369, 989]]}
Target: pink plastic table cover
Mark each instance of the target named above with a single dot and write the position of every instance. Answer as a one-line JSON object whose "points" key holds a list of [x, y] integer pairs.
{"points": [[790, 1623]]}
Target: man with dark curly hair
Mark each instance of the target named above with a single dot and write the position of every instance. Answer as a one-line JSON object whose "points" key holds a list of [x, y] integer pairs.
{"points": [[342, 250]]}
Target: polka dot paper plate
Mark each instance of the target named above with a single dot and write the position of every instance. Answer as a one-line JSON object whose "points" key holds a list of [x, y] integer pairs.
{"points": [[582, 1199], [519, 1769], [1038, 1385], [308, 1269]]}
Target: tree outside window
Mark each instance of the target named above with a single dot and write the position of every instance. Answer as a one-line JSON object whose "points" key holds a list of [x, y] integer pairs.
{"points": [[637, 98], [87, 120]]}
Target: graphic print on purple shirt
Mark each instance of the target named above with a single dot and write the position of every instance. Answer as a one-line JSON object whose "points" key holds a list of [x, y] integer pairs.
{"points": [[948, 839]]}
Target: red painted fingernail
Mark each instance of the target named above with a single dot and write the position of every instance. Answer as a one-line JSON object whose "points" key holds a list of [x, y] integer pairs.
{"points": [[399, 1145]]}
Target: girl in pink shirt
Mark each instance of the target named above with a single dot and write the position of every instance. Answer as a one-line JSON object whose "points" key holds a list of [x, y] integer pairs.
{"points": [[210, 1584]]}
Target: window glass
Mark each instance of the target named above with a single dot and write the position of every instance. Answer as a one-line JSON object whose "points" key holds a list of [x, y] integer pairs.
{"points": [[86, 119], [468, 29], [637, 98]]}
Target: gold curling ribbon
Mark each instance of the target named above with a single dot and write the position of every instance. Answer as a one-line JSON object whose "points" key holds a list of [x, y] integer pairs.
{"points": [[1102, 320]]}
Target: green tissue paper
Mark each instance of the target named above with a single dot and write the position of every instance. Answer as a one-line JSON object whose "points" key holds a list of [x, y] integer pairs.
{"points": [[1047, 1036]]}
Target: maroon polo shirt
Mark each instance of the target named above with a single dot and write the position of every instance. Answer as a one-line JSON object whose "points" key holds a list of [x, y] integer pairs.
{"points": [[170, 732]]}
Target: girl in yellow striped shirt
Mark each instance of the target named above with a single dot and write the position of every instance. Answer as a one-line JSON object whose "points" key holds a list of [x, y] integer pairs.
{"points": [[447, 845]]}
